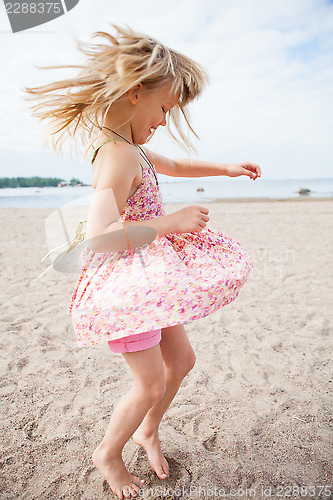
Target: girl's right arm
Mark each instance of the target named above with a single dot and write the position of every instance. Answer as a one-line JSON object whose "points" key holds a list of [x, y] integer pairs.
{"points": [[117, 165]]}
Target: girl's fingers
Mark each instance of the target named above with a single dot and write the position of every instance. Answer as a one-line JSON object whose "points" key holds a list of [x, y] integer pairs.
{"points": [[253, 168]]}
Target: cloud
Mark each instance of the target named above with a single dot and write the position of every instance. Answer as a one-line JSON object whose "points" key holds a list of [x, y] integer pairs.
{"points": [[270, 98]]}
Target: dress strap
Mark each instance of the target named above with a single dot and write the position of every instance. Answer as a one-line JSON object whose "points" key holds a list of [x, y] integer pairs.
{"points": [[104, 142], [151, 166]]}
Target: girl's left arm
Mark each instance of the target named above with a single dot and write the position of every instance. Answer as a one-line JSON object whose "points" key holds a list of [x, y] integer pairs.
{"points": [[198, 168]]}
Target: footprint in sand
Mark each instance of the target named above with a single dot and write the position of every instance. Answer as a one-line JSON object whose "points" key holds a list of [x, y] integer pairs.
{"points": [[179, 476], [211, 442]]}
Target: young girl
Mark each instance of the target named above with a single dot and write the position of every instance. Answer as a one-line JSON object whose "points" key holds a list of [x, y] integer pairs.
{"points": [[144, 273]]}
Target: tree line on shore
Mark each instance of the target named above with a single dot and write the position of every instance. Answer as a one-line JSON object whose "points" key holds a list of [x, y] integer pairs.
{"points": [[17, 182]]}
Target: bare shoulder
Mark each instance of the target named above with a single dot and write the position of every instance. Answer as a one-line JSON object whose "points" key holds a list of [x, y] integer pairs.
{"points": [[162, 164], [115, 161], [113, 151]]}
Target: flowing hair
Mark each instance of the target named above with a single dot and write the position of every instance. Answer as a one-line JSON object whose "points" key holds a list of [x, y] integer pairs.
{"points": [[111, 70]]}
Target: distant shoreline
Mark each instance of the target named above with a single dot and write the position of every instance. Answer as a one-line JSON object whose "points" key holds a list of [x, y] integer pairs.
{"points": [[253, 200], [208, 203], [243, 200]]}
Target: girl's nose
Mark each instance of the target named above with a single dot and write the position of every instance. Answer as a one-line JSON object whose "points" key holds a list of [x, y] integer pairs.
{"points": [[163, 122]]}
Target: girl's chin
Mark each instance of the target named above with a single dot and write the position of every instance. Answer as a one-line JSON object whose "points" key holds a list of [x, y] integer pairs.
{"points": [[146, 138]]}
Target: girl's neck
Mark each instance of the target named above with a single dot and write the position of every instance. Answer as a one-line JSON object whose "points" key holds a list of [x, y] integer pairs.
{"points": [[124, 132]]}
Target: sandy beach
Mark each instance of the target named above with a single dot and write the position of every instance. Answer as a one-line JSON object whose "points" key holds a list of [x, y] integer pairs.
{"points": [[253, 419]]}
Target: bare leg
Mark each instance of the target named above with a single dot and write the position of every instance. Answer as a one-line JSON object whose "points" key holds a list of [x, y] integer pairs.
{"points": [[179, 359], [149, 387]]}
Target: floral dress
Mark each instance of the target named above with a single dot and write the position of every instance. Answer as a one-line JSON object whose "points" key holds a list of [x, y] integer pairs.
{"points": [[174, 279]]}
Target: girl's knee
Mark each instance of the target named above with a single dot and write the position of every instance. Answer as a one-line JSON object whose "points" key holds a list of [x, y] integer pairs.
{"points": [[181, 369], [151, 391], [158, 391], [189, 362]]}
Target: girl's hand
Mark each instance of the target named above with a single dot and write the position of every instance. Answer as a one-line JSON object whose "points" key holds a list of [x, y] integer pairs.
{"points": [[246, 168], [189, 219]]}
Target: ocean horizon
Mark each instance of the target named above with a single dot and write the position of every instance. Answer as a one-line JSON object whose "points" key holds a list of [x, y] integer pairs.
{"points": [[191, 190]]}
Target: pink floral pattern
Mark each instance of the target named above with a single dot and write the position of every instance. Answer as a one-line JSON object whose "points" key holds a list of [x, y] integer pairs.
{"points": [[174, 279]]}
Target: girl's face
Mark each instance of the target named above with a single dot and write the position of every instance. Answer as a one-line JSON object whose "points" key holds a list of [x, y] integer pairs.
{"points": [[151, 108]]}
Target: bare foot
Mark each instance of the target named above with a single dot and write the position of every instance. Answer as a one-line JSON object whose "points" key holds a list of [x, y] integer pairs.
{"points": [[152, 445], [116, 474]]}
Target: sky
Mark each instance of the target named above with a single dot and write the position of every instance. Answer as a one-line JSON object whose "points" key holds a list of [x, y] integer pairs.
{"points": [[269, 100]]}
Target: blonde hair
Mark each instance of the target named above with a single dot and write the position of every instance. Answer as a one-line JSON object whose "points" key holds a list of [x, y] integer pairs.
{"points": [[110, 72]]}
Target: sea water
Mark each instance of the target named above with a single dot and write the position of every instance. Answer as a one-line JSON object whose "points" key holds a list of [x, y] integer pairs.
{"points": [[176, 191]]}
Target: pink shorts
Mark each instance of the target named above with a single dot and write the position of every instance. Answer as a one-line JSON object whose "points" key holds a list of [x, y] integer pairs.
{"points": [[136, 342]]}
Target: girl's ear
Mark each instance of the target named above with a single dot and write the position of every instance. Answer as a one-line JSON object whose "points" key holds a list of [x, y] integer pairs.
{"points": [[133, 93]]}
